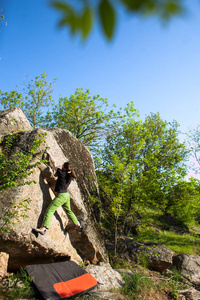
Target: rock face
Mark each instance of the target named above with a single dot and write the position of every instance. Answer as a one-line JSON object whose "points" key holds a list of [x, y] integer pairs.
{"points": [[3, 264], [189, 266], [156, 257], [107, 277], [21, 244], [13, 120], [189, 294]]}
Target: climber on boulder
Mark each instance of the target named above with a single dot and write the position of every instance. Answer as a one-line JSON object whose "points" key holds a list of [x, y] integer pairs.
{"points": [[65, 176]]}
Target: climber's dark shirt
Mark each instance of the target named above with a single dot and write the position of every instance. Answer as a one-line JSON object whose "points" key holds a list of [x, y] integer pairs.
{"points": [[63, 182]]}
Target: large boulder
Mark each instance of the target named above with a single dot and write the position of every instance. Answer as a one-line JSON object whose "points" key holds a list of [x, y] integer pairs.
{"points": [[13, 120], [107, 277], [189, 294], [23, 246], [189, 265], [155, 257], [109, 281]]}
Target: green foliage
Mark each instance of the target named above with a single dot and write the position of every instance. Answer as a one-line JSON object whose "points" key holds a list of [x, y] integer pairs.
{"points": [[143, 260], [175, 282], [11, 99], [150, 229], [193, 140], [17, 286], [164, 159], [164, 9], [107, 17], [36, 96], [139, 285], [15, 168], [138, 165], [76, 21], [80, 18], [86, 117], [184, 200], [135, 285]]}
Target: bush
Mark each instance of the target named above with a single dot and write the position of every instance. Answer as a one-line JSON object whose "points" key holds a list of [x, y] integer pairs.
{"points": [[135, 284], [17, 285]]}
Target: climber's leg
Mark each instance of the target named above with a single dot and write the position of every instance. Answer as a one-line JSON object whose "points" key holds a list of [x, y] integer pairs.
{"points": [[53, 206], [67, 209]]}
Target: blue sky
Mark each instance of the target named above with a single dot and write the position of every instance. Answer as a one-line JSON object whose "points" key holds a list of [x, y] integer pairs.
{"points": [[155, 65]]}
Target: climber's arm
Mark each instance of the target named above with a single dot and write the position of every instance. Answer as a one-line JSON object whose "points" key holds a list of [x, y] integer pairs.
{"points": [[52, 160]]}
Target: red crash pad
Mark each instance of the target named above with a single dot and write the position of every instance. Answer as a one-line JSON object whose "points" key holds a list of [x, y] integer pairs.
{"points": [[61, 280]]}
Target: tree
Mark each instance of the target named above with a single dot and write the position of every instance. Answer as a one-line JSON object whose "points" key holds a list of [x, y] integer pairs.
{"points": [[85, 116], [11, 99], [80, 18], [36, 96], [194, 146], [164, 158], [117, 164], [139, 165], [184, 200]]}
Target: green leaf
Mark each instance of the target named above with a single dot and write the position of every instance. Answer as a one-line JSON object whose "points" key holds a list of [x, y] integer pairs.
{"points": [[61, 5], [164, 9], [172, 9], [86, 22], [107, 18], [134, 5], [73, 19]]}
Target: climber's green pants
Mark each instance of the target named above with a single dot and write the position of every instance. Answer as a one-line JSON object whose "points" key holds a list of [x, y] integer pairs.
{"points": [[62, 199]]}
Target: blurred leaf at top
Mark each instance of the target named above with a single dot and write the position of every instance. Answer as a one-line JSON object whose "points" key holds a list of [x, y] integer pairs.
{"points": [[164, 9], [77, 21], [107, 17], [79, 16]]}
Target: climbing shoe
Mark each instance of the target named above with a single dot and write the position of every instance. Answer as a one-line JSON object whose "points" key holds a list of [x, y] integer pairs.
{"points": [[41, 230]]}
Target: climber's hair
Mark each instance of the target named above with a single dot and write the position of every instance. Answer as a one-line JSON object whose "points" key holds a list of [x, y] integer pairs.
{"points": [[68, 167]]}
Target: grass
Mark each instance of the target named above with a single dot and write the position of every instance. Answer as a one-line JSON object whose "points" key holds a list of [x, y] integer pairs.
{"points": [[149, 231], [175, 282], [135, 285], [142, 286], [178, 243]]}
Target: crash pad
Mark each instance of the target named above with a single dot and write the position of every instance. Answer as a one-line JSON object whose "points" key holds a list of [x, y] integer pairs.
{"points": [[61, 280]]}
